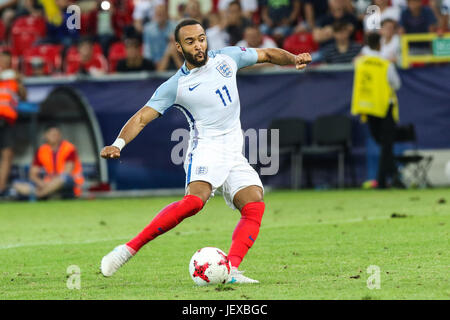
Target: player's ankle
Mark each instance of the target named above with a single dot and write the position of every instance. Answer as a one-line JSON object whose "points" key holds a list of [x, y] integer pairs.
{"points": [[130, 250], [235, 261]]}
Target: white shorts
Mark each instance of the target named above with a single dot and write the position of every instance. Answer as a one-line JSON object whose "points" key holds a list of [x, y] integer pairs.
{"points": [[220, 162]]}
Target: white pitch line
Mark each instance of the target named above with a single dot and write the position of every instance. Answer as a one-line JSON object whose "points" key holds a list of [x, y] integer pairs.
{"points": [[54, 243], [58, 243]]}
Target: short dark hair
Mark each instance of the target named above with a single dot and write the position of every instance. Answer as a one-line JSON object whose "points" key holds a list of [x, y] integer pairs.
{"points": [[6, 52], [183, 23], [133, 41], [235, 2], [52, 125], [373, 40], [86, 39], [387, 20]]}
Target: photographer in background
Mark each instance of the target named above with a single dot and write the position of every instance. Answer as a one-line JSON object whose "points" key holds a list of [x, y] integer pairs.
{"points": [[62, 172], [375, 100], [11, 89]]}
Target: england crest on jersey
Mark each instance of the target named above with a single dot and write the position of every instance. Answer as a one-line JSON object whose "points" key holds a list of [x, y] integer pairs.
{"points": [[224, 69]]}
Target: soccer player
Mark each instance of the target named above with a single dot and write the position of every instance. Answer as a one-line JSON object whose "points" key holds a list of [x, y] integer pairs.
{"points": [[205, 90]]}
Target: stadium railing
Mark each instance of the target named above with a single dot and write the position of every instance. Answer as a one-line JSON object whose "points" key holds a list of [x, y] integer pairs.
{"points": [[440, 49]]}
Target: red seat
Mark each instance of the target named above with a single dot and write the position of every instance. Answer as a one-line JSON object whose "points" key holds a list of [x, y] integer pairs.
{"points": [[300, 42], [116, 52], [25, 31], [49, 53], [2, 31]]}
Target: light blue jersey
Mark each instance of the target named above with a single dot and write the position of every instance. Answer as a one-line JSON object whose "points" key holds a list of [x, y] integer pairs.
{"points": [[208, 95]]}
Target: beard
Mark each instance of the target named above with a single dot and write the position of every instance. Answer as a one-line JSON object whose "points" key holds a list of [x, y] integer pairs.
{"points": [[193, 59]]}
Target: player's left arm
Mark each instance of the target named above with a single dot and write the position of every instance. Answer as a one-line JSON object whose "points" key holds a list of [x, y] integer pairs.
{"points": [[282, 57]]}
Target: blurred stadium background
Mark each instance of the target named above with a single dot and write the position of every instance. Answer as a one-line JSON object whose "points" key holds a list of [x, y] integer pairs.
{"points": [[91, 79]]}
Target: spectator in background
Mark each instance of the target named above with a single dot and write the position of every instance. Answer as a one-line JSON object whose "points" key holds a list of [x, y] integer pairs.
{"points": [[11, 89], [193, 11], [58, 160], [143, 12], [29, 7], [417, 18], [343, 49], [386, 12], [401, 4], [390, 41], [134, 60], [104, 26], [315, 10], [216, 33], [249, 8], [157, 34], [90, 62], [57, 16], [172, 59], [8, 11], [279, 17], [360, 8], [37, 67], [253, 38], [236, 22], [205, 7], [323, 32], [445, 14], [108, 23]]}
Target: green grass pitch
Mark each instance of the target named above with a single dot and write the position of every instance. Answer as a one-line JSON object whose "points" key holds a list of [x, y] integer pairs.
{"points": [[312, 245]]}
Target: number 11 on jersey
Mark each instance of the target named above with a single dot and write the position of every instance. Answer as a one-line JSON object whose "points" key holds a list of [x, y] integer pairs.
{"points": [[224, 88]]}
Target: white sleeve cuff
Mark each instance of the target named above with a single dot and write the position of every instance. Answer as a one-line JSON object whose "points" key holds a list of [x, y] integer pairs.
{"points": [[119, 143]]}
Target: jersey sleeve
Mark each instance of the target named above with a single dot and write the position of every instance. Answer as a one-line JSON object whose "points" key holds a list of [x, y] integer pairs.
{"points": [[244, 57], [164, 97]]}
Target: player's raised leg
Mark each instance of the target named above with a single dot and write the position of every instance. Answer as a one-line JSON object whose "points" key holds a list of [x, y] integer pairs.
{"points": [[250, 203], [198, 192]]}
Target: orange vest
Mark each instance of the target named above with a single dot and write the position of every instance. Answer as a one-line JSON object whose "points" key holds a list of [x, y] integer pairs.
{"points": [[9, 100], [45, 157]]}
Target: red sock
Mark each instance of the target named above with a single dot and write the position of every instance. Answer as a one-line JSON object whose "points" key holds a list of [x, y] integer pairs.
{"points": [[246, 231], [166, 219]]}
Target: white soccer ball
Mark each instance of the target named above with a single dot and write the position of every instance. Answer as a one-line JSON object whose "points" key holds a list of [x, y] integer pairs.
{"points": [[209, 266]]}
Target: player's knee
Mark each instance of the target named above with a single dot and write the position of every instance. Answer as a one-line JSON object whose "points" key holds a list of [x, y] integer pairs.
{"points": [[248, 195], [258, 195], [200, 189]]}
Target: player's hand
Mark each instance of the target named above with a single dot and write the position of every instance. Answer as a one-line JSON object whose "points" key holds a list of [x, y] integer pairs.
{"points": [[302, 60], [110, 152]]}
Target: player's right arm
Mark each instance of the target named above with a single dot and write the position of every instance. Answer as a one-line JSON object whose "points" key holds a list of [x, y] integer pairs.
{"points": [[282, 57], [130, 130], [162, 99]]}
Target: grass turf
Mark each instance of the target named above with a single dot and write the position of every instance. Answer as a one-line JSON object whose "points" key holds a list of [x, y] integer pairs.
{"points": [[312, 245]]}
